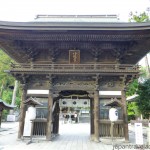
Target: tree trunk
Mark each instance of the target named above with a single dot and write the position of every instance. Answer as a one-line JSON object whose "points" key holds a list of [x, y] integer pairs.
{"points": [[147, 65], [0, 117], [14, 96], [1, 91]]}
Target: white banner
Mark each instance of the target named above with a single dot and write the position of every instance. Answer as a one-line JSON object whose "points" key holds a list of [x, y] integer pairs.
{"points": [[27, 125], [138, 133]]}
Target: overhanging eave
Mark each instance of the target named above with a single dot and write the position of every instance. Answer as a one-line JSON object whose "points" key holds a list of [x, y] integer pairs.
{"points": [[4, 25]]}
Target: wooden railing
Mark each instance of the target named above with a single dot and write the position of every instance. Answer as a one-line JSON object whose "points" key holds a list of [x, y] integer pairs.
{"points": [[76, 67], [38, 127], [118, 130]]}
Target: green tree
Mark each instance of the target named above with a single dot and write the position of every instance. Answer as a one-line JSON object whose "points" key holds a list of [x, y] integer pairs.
{"points": [[143, 100], [134, 108], [132, 88], [142, 17], [7, 80]]}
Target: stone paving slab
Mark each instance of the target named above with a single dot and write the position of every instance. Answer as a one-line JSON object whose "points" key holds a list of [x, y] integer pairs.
{"points": [[72, 137]]}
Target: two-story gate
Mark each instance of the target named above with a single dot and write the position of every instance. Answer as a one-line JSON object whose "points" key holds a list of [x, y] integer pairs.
{"points": [[83, 57]]}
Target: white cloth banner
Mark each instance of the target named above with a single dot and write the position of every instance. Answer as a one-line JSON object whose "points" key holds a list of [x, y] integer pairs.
{"points": [[138, 133], [27, 125]]}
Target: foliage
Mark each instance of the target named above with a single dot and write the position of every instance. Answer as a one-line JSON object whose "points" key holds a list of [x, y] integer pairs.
{"points": [[7, 80], [132, 88], [143, 72], [136, 108], [143, 101], [4, 115], [7, 96], [133, 110], [132, 107], [142, 17]]}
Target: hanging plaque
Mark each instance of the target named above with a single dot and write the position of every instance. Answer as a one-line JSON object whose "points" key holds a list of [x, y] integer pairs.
{"points": [[74, 56]]}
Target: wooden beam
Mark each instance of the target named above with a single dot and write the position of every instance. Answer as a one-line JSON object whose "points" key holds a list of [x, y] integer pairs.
{"points": [[22, 113], [56, 119], [92, 118], [96, 116], [49, 117], [125, 117]]}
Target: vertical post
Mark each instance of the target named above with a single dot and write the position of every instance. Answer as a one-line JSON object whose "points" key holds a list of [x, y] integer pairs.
{"points": [[125, 117], [148, 134], [32, 126], [57, 118], [1, 111], [22, 112], [14, 93], [49, 116], [147, 65], [112, 133], [14, 96], [96, 116], [57, 132], [92, 117]]}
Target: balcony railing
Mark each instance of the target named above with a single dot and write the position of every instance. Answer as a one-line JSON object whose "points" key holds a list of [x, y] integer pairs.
{"points": [[58, 68]]}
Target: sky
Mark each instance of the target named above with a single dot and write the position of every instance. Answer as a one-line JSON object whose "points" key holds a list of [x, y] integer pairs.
{"points": [[26, 10]]}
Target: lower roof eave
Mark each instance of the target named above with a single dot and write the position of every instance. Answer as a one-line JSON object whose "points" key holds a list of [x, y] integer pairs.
{"points": [[73, 72]]}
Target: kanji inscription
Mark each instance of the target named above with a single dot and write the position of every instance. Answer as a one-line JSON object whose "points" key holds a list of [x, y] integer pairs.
{"points": [[74, 56]]}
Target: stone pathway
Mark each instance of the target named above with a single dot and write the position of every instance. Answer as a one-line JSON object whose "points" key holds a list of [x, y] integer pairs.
{"points": [[72, 137]]}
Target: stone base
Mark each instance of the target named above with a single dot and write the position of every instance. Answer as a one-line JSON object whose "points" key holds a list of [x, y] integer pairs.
{"points": [[92, 137], [96, 140]]}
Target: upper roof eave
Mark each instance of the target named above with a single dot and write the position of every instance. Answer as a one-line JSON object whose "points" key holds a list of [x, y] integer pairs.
{"points": [[73, 26]]}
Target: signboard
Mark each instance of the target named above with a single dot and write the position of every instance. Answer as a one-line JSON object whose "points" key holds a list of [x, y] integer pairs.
{"points": [[11, 118], [138, 133], [74, 56]]}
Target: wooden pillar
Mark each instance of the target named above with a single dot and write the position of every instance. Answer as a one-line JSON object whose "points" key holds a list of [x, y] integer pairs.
{"points": [[57, 118], [22, 112], [1, 112], [49, 117], [96, 116], [92, 118], [125, 117], [57, 132]]}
